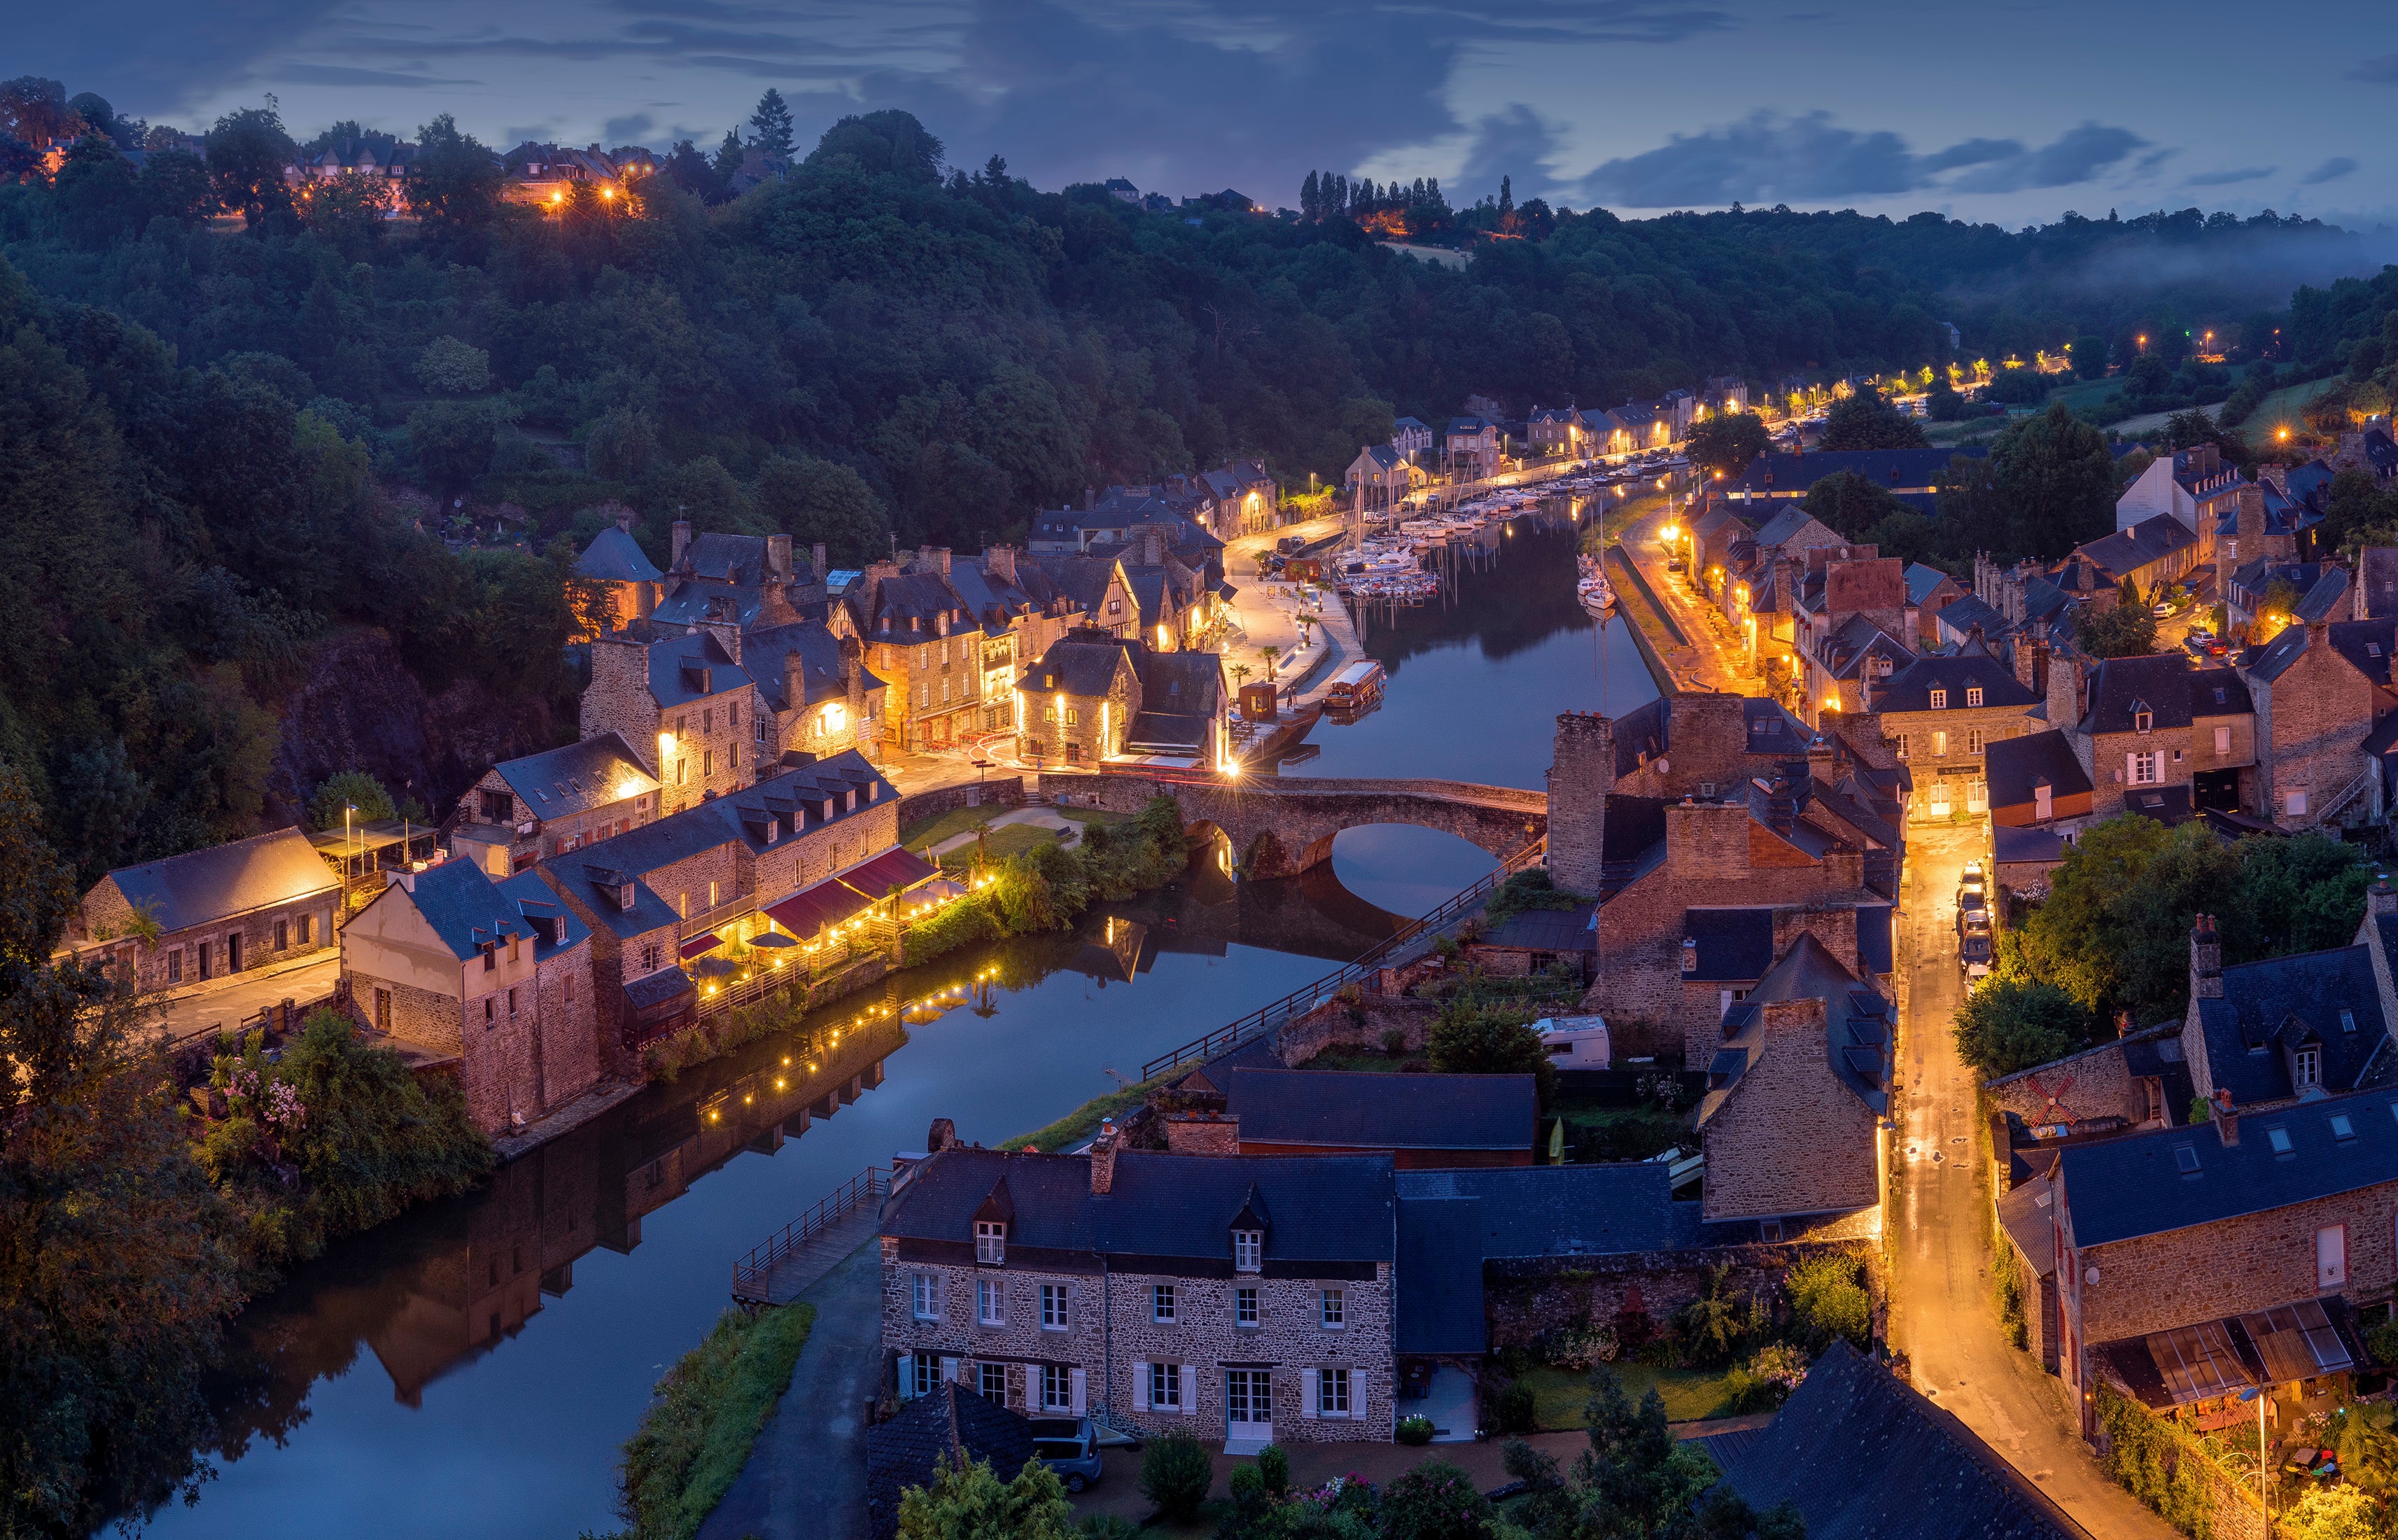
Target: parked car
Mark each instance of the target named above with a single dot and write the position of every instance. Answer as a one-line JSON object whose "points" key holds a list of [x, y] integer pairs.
{"points": [[1673, 564], [2162, 612], [1070, 1447], [1972, 890], [1973, 942], [2195, 646]]}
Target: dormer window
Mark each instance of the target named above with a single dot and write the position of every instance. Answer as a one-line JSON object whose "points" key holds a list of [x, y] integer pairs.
{"points": [[1972, 695], [1248, 1250], [990, 1242], [2143, 721], [2306, 1067], [1939, 700]]}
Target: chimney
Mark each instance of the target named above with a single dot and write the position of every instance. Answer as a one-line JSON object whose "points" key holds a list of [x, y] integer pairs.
{"points": [[2381, 898], [778, 557], [853, 678], [2227, 1120], [942, 1136], [1090, 495], [933, 558], [2251, 521], [1103, 1159], [681, 541], [821, 568], [2277, 476], [1002, 561], [2206, 960], [795, 681], [624, 520]]}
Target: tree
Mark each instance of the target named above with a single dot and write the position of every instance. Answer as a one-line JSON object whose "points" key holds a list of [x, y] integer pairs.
{"points": [[453, 366], [2337, 1513], [456, 188], [36, 110], [1434, 1500], [2013, 1023], [2125, 630], [1866, 421], [347, 211], [453, 442], [2114, 932], [1828, 1301], [1723, 444], [2047, 485], [888, 141], [1941, 403], [969, 1503], [772, 121], [1469, 1039], [1176, 1472], [1852, 503], [690, 171], [350, 798], [174, 186], [620, 445], [728, 157], [19, 163], [247, 150], [2017, 388], [813, 500], [2089, 355]]}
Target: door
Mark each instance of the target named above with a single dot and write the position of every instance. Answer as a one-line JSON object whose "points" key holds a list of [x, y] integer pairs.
{"points": [[233, 952], [383, 1010], [1249, 1404], [2331, 1256]]}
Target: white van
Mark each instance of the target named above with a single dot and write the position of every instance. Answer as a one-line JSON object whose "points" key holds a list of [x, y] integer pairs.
{"points": [[1575, 1042]]}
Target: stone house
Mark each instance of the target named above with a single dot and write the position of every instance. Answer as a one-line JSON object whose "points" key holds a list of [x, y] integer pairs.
{"points": [[219, 911], [627, 582], [1410, 437], [1379, 477], [497, 974], [685, 707], [815, 694], [1421, 1121], [1941, 713], [1929, 591], [1727, 950], [1798, 1088], [640, 990], [2197, 486], [2154, 552], [1243, 497], [2153, 735], [2195, 1263], [751, 580], [1469, 446], [1092, 697], [2140, 1081], [2292, 1029], [2034, 781], [1248, 1301], [551, 803], [1560, 430], [2314, 708]]}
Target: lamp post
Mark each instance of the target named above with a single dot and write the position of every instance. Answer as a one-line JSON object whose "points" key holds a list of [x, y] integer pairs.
{"points": [[2260, 1395]]}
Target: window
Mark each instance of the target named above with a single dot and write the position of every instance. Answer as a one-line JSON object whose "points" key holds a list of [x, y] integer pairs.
{"points": [[1335, 1307], [733, 757], [2341, 1127], [1166, 1387], [2279, 1138], [707, 762], [1972, 695], [1248, 1248], [1053, 1308], [488, 1020], [498, 807], [1901, 739], [2043, 803], [2186, 1158], [2306, 1068], [1073, 717], [1973, 740], [282, 933], [682, 771], [1057, 1387], [923, 1372], [175, 965], [713, 900], [683, 903], [708, 720], [991, 1303], [1939, 700], [650, 958], [512, 1004], [1115, 606], [1161, 1302], [732, 714], [1939, 745], [2142, 721], [307, 929], [2295, 803], [919, 1288], [2223, 740], [991, 1241], [2347, 1020], [1332, 1393], [682, 725], [566, 987], [991, 1380], [2331, 1256], [757, 731], [2144, 769], [1244, 1305]]}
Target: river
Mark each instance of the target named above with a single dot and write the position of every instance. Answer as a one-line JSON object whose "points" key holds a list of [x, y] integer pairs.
{"points": [[473, 1367]]}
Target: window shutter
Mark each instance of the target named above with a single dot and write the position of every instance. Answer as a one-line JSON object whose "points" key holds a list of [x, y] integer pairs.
{"points": [[907, 1365], [948, 1370], [1140, 1384], [1189, 1390], [1075, 1405], [2131, 773], [1310, 1392], [1356, 1394]]}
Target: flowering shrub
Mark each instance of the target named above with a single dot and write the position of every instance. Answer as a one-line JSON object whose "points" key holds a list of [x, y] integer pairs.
{"points": [[1434, 1501]]}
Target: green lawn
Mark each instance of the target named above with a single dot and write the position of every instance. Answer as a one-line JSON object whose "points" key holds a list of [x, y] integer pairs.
{"points": [[1084, 1121], [2285, 407], [1013, 840], [1559, 1396], [1091, 815], [961, 820]]}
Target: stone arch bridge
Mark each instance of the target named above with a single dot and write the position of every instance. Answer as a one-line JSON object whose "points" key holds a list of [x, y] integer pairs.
{"points": [[1281, 825]]}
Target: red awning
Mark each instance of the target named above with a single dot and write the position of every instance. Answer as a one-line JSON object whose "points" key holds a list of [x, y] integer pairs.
{"points": [[706, 940], [901, 869], [806, 913]]}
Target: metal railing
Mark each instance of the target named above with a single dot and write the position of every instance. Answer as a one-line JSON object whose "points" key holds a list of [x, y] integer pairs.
{"points": [[753, 1274], [1315, 994]]}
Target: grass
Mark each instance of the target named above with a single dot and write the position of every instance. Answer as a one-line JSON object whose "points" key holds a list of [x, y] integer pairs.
{"points": [[2285, 407], [1559, 1396], [958, 820], [1091, 815], [1084, 1121], [694, 1439], [1013, 840]]}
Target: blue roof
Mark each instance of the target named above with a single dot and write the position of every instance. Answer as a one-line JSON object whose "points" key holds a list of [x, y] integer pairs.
{"points": [[1873, 937], [2284, 1002], [1606, 1210], [469, 912], [651, 845], [1440, 1306], [685, 668], [1735, 945], [2119, 1189], [1922, 580], [615, 557]]}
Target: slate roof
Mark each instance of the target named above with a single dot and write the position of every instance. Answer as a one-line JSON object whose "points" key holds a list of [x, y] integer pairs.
{"points": [[1606, 1210], [469, 912], [1856, 1025], [1778, 530], [1440, 1308], [2122, 686], [2368, 645], [818, 650], [2121, 1189], [1773, 729], [2126, 551], [2283, 1002], [1544, 930], [584, 883], [1384, 1111], [800, 790], [1319, 1207], [615, 557], [2220, 693], [2013, 842], [2168, 804], [1078, 666], [1865, 1457], [1190, 685], [954, 1424], [2014, 766], [685, 668], [1910, 688], [2023, 1211], [1962, 615], [1922, 580], [561, 782], [1735, 945], [1874, 937], [202, 886]]}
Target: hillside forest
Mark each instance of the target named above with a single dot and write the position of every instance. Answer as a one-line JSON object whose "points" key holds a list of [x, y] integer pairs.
{"points": [[287, 487]]}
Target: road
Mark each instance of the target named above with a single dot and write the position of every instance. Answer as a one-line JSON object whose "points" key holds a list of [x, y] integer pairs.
{"points": [[1710, 662], [245, 994], [1944, 1316]]}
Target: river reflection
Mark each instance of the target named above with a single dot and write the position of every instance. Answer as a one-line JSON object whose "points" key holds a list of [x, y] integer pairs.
{"points": [[472, 1368]]}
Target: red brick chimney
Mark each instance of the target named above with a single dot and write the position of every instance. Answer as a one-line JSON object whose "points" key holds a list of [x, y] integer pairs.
{"points": [[1103, 1159], [2227, 1120]]}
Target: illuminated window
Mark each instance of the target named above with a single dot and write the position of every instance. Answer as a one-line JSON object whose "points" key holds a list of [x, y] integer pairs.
{"points": [[1939, 700]]}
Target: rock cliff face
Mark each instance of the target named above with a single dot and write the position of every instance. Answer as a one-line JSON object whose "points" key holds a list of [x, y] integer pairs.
{"points": [[361, 709]]}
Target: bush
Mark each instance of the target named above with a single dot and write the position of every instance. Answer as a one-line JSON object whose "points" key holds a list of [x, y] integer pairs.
{"points": [[1176, 1472], [2010, 1024], [1514, 1410], [1274, 1465], [2144, 1460], [1106, 1526], [709, 1407], [1434, 1501], [1413, 1430], [2337, 1513], [1468, 1039], [1714, 1325], [1767, 1380], [1829, 1300], [345, 789]]}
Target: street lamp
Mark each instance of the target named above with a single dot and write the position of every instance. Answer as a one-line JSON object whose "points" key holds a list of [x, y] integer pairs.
{"points": [[2259, 1395]]}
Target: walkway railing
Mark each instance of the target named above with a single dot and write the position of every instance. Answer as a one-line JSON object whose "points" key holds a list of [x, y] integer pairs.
{"points": [[1307, 999], [753, 1274]]}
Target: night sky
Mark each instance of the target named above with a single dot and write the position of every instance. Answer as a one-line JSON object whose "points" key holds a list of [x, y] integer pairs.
{"points": [[2012, 113]]}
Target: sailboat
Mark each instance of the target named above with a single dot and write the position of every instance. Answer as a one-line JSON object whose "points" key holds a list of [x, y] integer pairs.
{"points": [[1597, 595]]}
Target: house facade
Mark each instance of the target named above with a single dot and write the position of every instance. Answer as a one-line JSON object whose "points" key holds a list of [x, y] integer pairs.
{"points": [[1942, 713], [1247, 1301], [218, 912], [551, 803], [683, 705]]}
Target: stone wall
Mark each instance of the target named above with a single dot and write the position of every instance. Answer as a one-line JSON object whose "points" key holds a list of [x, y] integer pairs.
{"points": [[2311, 723], [1303, 815], [105, 909], [998, 792], [518, 1068], [1290, 1337], [430, 1020], [1355, 1024], [1580, 777], [1790, 1138], [1523, 1298], [2094, 1083]]}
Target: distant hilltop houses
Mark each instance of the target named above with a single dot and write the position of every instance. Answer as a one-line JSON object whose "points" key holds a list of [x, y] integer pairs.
{"points": [[1123, 191]]}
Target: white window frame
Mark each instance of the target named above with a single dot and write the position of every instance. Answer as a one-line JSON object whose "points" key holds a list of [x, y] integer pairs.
{"points": [[2331, 1257], [1972, 695], [2294, 803], [2306, 1067], [1056, 1311], [991, 1302], [1940, 744], [1973, 740], [1332, 1393], [1162, 1303], [990, 1242], [1248, 1307], [1160, 1387], [1939, 699], [2144, 769], [1248, 1250], [2223, 740], [1332, 1307], [924, 1298]]}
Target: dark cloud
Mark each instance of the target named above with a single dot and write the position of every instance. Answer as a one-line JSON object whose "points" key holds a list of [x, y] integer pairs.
{"points": [[2077, 156], [2150, 161], [2226, 178], [629, 129], [2381, 70], [1517, 143], [347, 75], [155, 56], [2330, 171], [1973, 152]]}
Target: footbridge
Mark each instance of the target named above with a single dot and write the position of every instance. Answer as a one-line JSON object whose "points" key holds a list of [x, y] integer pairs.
{"points": [[1282, 825]]}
